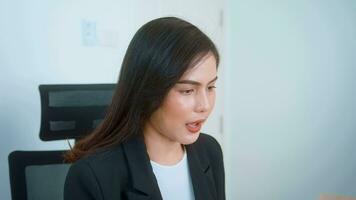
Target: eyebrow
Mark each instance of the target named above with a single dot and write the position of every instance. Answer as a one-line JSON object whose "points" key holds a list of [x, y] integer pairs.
{"points": [[194, 82]]}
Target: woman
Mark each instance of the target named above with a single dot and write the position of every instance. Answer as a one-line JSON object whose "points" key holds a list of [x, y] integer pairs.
{"points": [[149, 145]]}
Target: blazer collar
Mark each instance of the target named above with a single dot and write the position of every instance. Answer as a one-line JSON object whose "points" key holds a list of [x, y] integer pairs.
{"points": [[201, 175], [143, 178]]}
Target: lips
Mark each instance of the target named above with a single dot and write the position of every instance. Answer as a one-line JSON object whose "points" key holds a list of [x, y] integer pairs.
{"points": [[195, 126]]}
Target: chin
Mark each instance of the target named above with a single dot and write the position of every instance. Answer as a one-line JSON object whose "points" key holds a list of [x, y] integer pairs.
{"points": [[190, 139]]}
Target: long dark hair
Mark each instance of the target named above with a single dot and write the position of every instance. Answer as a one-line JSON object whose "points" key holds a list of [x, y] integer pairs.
{"points": [[157, 56]]}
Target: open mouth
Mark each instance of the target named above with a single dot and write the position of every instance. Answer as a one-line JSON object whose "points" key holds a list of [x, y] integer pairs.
{"points": [[194, 126]]}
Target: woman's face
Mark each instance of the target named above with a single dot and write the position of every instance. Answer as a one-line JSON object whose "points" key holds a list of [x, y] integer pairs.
{"points": [[187, 105]]}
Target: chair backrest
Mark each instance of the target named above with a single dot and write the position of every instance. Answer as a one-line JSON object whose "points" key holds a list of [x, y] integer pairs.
{"points": [[72, 111], [37, 175], [67, 112]]}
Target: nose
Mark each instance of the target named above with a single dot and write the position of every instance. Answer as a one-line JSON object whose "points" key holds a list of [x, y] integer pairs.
{"points": [[203, 103]]}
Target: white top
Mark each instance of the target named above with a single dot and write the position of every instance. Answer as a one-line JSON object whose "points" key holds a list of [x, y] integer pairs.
{"points": [[174, 180]]}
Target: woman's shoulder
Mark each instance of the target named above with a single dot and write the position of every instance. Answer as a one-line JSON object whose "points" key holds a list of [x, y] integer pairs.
{"points": [[207, 140], [208, 144], [102, 159], [89, 176]]}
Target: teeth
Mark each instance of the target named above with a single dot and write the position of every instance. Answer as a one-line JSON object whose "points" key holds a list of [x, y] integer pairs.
{"points": [[193, 124]]}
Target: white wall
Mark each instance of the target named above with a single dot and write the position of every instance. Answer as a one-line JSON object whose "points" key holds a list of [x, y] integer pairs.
{"points": [[291, 94], [41, 43]]}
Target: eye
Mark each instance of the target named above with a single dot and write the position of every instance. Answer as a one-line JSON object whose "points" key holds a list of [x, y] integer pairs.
{"points": [[187, 92], [210, 88]]}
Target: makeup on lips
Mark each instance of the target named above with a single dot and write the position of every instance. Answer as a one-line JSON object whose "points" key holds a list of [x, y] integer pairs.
{"points": [[195, 126]]}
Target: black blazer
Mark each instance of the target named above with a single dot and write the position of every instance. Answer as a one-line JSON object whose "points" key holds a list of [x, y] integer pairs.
{"points": [[124, 172]]}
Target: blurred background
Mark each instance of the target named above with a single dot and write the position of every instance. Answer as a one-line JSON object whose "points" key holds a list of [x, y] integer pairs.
{"points": [[286, 111]]}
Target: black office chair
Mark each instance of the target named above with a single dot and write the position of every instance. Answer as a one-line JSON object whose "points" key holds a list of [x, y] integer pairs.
{"points": [[72, 111], [67, 112], [37, 175]]}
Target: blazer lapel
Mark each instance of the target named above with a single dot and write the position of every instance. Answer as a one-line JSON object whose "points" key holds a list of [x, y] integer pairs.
{"points": [[143, 178], [201, 175]]}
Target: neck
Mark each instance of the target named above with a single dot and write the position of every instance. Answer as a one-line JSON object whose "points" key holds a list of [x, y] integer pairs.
{"points": [[162, 150]]}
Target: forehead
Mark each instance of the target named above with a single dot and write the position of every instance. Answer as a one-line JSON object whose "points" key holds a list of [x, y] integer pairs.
{"points": [[204, 70]]}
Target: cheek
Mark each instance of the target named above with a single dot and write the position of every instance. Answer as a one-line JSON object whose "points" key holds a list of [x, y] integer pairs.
{"points": [[178, 106]]}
